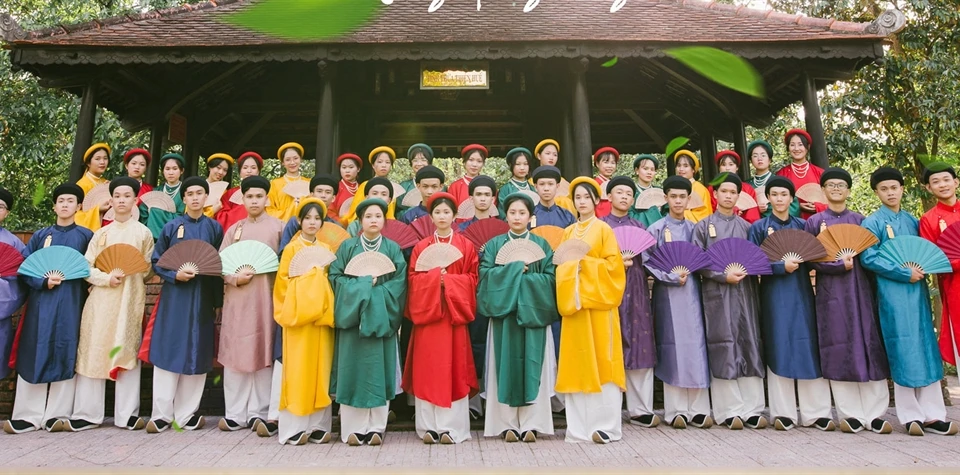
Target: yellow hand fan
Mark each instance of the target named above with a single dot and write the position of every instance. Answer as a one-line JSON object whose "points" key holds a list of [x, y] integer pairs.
{"points": [[332, 235], [552, 234]]}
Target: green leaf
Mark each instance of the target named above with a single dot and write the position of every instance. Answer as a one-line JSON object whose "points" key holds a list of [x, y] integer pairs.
{"points": [[114, 351], [38, 193], [721, 67], [675, 145], [611, 63], [719, 179], [306, 19], [176, 427]]}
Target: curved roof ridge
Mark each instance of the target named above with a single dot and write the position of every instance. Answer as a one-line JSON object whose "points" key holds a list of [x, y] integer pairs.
{"points": [[774, 15]]}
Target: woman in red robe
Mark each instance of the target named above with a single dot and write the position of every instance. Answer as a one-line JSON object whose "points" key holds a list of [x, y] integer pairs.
{"points": [[441, 302], [474, 158], [249, 164], [606, 160], [136, 161], [349, 165], [728, 161], [800, 171]]}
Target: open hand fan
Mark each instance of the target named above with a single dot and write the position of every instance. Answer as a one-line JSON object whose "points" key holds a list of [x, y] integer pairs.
{"points": [[736, 254], [745, 202], [111, 214], [332, 235], [466, 210], [237, 197], [633, 241], [297, 189], [192, 254], [570, 250], [523, 250], [369, 263], [423, 226], [695, 201], [563, 188], [345, 207], [412, 198], [552, 234], [761, 192], [793, 244], [61, 260], [679, 257], [949, 241], [217, 190], [397, 189], [97, 196], [533, 196], [308, 258], [651, 198], [158, 199], [811, 193], [482, 231], [253, 255], [843, 240], [10, 259], [437, 255], [400, 233], [916, 252], [123, 257]]}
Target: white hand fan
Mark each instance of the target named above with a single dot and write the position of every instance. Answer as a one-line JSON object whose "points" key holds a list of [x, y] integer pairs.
{"points": [[437, 255], [111, 215], [651, 198], [533, 196], [696, 201], [345, 207], [397, 189], [745, 202], [97, 196], [159, 200], [309, 257], [523, 250], [297, 189], [369, 263], [412, 198], [570, 250], [237, 197], [253, 255], [217, 189]]}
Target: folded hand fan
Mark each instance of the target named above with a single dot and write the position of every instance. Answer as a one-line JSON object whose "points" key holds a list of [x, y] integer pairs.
{"points": [[437, 255], [736, 254], [111, 214], [345, 207], [563, 188], [122, 257], [423, 226], [158, 199], [915, 252], [237, 197], [297, 189], [217, 189], [745, 202], [412, 198], [97, 196], [523, 250], [949, 241], [10, 259], [843, 240], [633, 241], [793, 244], [679, 257], [533, 196], [332, 235], [651, 198], [480, 232], [249, 255], [400, 233], [192, 254], [570, 250], [369, 263], [552, 234], [811, 193], [61, 260], [309, 257]]}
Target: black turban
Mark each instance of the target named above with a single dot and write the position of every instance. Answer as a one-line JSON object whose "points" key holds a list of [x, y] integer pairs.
{"points": [[884, 174], [482, 180], [324, 179], [255, 181], [7, 198], [731, 178], [428, 172], [379, 181], [68, 189], [194, 181], [835, 173], [621, 180], [124, 181], [780, 182], [677, 182], [546, 171]]}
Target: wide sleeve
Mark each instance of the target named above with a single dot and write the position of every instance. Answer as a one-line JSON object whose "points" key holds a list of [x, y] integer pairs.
{"points": [[387, 299], [871, 260], [498, 290], [351, 293], [163, 243], [700, 238], [308, 300], [832, 267], [537, 304], [594, 283], [460, 289], [424, 301], [97, 277], [35, 283], [274, 204], [930, 231]]}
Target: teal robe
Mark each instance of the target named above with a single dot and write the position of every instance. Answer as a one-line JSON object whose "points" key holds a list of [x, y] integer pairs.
{"points": [[155, 218]]}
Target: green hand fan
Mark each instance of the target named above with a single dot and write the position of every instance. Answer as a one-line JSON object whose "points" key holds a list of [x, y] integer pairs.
{"points": [[916, 252], [60, 260], [253, 255]]}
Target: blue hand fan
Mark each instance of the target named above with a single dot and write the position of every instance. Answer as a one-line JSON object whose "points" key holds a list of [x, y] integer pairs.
{"points": [[62, 260], [253, 255], [736, 254], [916, 252], [679, 257]]}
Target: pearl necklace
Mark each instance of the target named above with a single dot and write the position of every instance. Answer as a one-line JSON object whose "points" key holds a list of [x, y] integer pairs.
{"points": [[521, 185], [580, 231], [173, 190], [761, 180], [291, 180], [513, 236], [351, 188], [437, 238], [796, 169], [371, 246]]}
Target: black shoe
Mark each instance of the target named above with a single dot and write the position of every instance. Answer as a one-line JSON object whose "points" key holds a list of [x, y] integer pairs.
{"points": [[320, 437], [702, 421], [601, 437], [783, 423], [881, 426], [17, 426], [734, 423], [756, 422], [229, 425], [915, 428], [430, 437], [252, 423], [446, 439], [300, 438], [474, 415], [391, 416], [157, 426], [941, 428], [355, 440], [679, 422], [511, 435], [54, 425], [373, 438], [850, 425], [824, 424], [267, 429], [646, 420], [77, 425], [135, 423], [529, 436], [195, 422]]}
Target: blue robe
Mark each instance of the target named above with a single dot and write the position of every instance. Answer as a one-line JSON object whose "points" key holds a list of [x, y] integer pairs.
{"points": [[788, 317], [413, 214], [292, 228], [183, 336], [552, 216], [47, 351], [12, 294], [906, 321]]}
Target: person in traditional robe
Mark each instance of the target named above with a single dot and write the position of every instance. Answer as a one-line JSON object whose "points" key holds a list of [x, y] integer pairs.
{"points": [[381, 161], [761, 156], [322, 187], [905, 315], [518, 162], [135, 161], [681, 361], [429, 181], [636, 319], [110, 327], [605, 160], [419, 155], [548, 154], [520, 301], [789, 325], [800, 171], [282, 205], [728, 161], [546, 179], [687, 165], [248, 164], [483, 194], [367, 315], [734, 345], [247, 331], [171, 166], [303, 306], [181, 337], [376, 187], [441, 302], [12, 293], [349, 165], [590, 370], [96, 158], [219, 168], [645, 166], [852, 357], [474, 158], [46, 354]]}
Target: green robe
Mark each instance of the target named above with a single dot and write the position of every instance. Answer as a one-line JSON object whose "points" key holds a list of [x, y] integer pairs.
{"points": [[157, 218], [646, 216], [521, 306], [398, 208], [367, 317]]}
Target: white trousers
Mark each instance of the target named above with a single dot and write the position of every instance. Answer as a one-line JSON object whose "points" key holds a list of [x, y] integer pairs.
{"points": [[536, 416], [590, 412], [273, 413], [34, 405], [918, 404], [176, 397], [639, 392], [737, 397], [355, 420], [861, 401], [814, 398], [291, 424], [246, 395], [686, 402], [454, 419], [91, 393]]}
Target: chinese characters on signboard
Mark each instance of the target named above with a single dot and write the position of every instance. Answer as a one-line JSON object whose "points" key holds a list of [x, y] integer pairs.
{"points": [[471, 75]]}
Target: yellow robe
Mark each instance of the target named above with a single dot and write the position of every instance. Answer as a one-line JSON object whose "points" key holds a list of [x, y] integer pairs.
{"points": [[566, 203], [589, 292], [303, 307], [89, 219], [281, 205], [700, 213], [358, 198]]}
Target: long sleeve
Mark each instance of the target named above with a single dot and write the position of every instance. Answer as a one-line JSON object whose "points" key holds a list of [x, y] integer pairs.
{"points": [[424, 302], [375, 308], [930, 231], [460, 290], [595, 283], [97, 277], [701, 240], [871, 260], [163, 243]]}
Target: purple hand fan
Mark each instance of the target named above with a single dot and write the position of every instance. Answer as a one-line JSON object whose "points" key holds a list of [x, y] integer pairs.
{"points": [[679, 257], [633, 241], [736, 254]]}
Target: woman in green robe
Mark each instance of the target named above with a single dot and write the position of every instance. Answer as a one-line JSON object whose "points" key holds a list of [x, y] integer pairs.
{"points": [[520, 301], [367, 314], [172, 166]]}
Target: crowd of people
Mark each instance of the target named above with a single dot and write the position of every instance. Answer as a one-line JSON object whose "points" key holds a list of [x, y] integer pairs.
{"points": [[461, 333]]}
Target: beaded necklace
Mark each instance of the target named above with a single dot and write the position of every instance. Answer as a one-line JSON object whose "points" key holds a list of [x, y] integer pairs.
{"points": [[369, 245], [796, 169], [351, 188], [437, 238], [521, 185], [580, 231], [172, 191]]}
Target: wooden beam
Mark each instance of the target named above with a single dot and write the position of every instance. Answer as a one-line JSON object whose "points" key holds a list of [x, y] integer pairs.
{"points": [[252, 130], [145, 86], [580, 118], [196, 91], [646, 127], [722, 105], [811, 115]]}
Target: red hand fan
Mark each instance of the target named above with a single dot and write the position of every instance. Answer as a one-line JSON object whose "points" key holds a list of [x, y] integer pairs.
{"points": [[949, 241], [400, 233], [10, 259], [482, 231], [423, 226]]}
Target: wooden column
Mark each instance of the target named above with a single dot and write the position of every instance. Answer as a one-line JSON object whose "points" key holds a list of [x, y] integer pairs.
{"points": [[86, 122], [811, 116], [580, 119], [566, 160], [326, 127], [740, 145], [708, 150], [156, 150]]}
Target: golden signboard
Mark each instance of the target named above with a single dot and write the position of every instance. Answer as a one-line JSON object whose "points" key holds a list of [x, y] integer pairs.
{"points": [[463, 75]]}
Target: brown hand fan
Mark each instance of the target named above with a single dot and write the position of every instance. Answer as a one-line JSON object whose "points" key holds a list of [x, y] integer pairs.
{"points": [[332, 235], [111, 214], [159, 200], [217, 189], [482, 231], [466, 210], [97, 196], [793, 244], [533, 196], [745, 202], [523, 250], [400, 233], [811, 193], [552, 234], [345, 207], [563, 188], [423, 226], [369, 263], [297, 189], [437, 255], [308, 258], [651, 198], [123, 257], [845, 240], [570, 250], [695, 201], [412, 198], [193, 254], [237, 197]]}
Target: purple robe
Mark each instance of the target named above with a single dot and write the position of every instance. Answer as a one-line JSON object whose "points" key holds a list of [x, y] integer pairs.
{"points": [[847, 322], [11, 299], [636, 320]]}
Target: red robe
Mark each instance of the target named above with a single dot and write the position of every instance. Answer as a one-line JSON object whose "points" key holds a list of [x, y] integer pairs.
{"points": [[813, 176], [439, 366], [751, 215], [144, 188], [603, 208], [460, 189], [949, 283], [230, 212], [343, 194]]}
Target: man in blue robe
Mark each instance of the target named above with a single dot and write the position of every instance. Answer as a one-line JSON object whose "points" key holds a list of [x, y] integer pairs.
{"points": [[546, 178], [12, 293], [429, 180]]}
